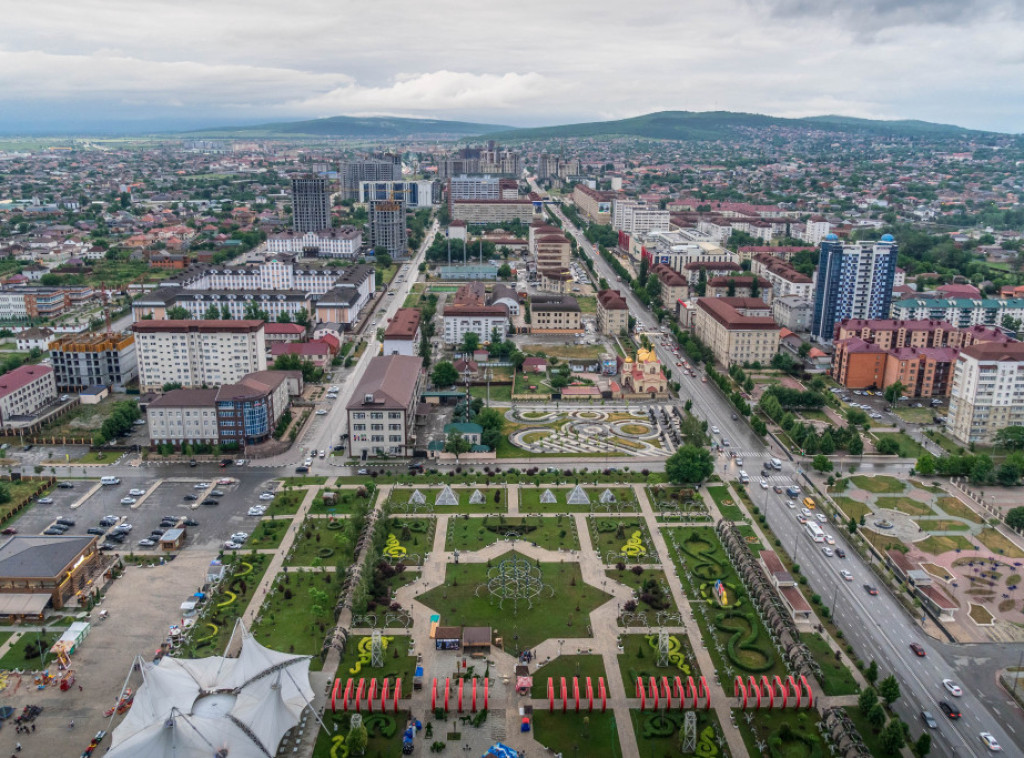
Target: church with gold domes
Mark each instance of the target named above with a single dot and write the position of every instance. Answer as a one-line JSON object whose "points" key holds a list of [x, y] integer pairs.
{"points": [[644, 376]]}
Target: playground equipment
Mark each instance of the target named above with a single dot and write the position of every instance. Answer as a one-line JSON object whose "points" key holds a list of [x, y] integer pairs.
{"points": [[515, 579], [759, 693], [662, 690], [484, 693], [364, 693], [602, 693]]}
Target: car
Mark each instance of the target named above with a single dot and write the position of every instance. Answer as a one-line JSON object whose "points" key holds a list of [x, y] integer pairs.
{"points": [[840, 553], [45, 501], [257, 510], [778, 489], [109, 520], [190, 522], [821, 517], [714, 430], [321, 412], [266, 496], [96, 530], [65, 486], [232, 545], [53, 531], [827, 551], [302, 469], [308, 462], [190, 498], [333, 388], [65, 398], [870, 589], [128, 501], [918, 650], [949, 710], [929, 720], [216, 493], [108, 545], [331, 396], [117, 537], [802, 518], [168, 522], [990, 742], [192, 463], [323, 453], [210, 501], [952, 687], [9, 530], [240, 536], [362, 472], [791, 504], [763, 483], [124, 528], [139, 422], [846, 575], [225, 462], [200, 485], [136, 492], [157, 533], [65, 521], [829, 539], [147, 542]]}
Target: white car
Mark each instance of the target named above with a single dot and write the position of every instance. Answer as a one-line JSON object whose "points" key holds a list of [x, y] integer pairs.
{"points": [[124, 528], [829, 539], [990, 742], [333, 388], [321, 412], [201, 486], [45, 501], [257, 510], [821, 517], [147, 542], [846, 575], [714, 430], [137, 492], [128, 501], [240, 462], [827, 551], [230, 545], [763, 483], [332, 396], [952, 687], [240, 536], [266, 496], [790, 504]]}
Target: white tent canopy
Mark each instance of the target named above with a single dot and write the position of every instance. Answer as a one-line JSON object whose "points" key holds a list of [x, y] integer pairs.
{"points": [[243, 705]]}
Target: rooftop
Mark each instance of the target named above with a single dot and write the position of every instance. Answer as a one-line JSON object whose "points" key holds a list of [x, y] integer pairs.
{"points": [[390, 381], [403, 325], [730, 317], [20, 377], [199, 325], [32, 556]]}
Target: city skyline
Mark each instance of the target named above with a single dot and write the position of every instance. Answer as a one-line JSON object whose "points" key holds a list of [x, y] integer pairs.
{"points": [[139, 67]]}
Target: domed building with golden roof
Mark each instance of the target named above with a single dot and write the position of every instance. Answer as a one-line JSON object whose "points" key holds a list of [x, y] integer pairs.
{"points": [[644, 376]]}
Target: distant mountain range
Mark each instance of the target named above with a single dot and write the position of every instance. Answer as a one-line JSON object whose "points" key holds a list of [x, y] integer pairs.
{"points": [[713, 125], [350, 127]]}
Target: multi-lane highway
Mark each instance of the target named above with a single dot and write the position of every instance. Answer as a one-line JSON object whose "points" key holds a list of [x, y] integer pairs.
{"points": [[877, 626]]}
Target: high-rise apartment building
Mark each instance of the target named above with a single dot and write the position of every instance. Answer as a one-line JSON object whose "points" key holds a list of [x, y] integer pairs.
{"points": [[987, 393], [311, 204], [854, 281], [382, 167], [198, 353], [387, 228], [86, 360]]}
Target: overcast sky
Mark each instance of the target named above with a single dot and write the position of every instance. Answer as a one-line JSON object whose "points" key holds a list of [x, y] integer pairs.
{"points": [[530, 62]]}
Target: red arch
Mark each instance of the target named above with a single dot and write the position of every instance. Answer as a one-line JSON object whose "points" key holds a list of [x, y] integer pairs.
{"points": [[472, 708], [398, 692], [653, 683], [740, 690], [640, 693], [371, 694], [551, 695], [565, 695], [706, 691], [782, 689], [807, 689], [795, 689], [766, 689], [433, 695], [590, 695], [602, 692], [359, 694], [384, 696]]}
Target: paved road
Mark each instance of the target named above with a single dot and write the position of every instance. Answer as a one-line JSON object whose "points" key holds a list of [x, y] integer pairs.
{"points": [[877, 627]]}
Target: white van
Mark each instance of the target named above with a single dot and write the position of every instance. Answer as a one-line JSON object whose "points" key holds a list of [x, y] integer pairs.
{"points": [[109, 480], [744, 479], [776, 464]]}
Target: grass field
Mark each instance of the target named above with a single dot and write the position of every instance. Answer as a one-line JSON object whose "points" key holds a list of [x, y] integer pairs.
{"points": [[400, 500], [836, 677], [584, 734], [568, 666], [316, 539], [909, 448], [916, 415], [944, 442], [662, 598], [611, 535], [639, 657], [904, 504], [882, 541], [479, 532], [268, 533], [657, 732], [953, 506], [997, 543], [286, 503], [402, 666], [20, 656], [564, 613], [878, 484], [529, 499], [293, 621], [377, 724], [564, 351], [937, 545], [499, 393], [852, 508], [941, 525]]}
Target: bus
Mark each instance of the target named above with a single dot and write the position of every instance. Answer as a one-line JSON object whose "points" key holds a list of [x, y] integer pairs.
{"points": [[815, 531]]}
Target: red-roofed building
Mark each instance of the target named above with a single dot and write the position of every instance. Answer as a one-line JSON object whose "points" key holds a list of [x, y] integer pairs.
{"points": [[533, 365], [402, 337], [24, 391], [958, 291], [737, 329], [275, 332], [318, 352]]}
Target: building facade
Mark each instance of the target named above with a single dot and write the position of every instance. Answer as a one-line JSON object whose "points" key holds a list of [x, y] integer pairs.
{"points": [[344, 242], [198, 353], [383, 167], [793, 313], [785, 279], [637, 217], [87, 360], [555, 314], [738, 330], [311, 204], [25, 390], [414, 193], [854, 281], [987, 393], [388, 229], [382, 412], [493, 211], [612, 313], [593, 204], [402, 337]]}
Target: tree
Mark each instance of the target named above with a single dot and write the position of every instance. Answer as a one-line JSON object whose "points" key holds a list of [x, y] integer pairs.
{"points": [[302, 317], [871, 674], [804, 350], [755, 286], [867, 700], [212, 313], [923, 746], [470, 342], [893, 738], [1015, 517], [1011, 437], [444, 374], [689, 465], [178, 313], [827, 444], [1008, 474], [356, 740], [982, 469], [856, 446], [889, 689], [284, 318], [225, 313], [887, 446], [894, 392], [456, 443], [822, 464], [383, 257], [876, 716], [925, 465], [504, 271]]}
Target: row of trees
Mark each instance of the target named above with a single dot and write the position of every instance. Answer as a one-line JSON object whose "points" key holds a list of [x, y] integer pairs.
{"points": [[252, 311], [979, 468], [118, 423]]}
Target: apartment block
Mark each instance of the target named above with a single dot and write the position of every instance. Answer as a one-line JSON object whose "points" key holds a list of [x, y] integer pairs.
{"points": [[311, 204], [793, 313], [198, 353], [388, 229], [402, 337], [737, 329], [471, 311], [637, 217], [87, 360], [674, 286], [465, 187], [593, 204], [785, 279], [612, 313], [344, 242], [493, 211], [555, 314], [24, 391], [383, 167], [854, 281], [382, 411], [420, 193], [740, 286], [960, 312], [987, 393]]}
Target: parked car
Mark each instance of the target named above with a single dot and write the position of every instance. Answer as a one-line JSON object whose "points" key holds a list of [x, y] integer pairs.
{"points": [[128, 501], [321, 412], [210, 501], [65, 485], [45, 501], [232, 545], [9, 530], [216, 493], [190, 498], [200, 485], [65, 521], [266, 496], [96, 530], [136, 492], [190, 522], [146, 542]]}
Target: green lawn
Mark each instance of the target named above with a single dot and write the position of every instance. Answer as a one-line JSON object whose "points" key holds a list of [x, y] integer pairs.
{"points": [[378, 726], [294, 622], [97, 457], [499, 393], [953, 506], [568, 666], [916, 415], [268, 533], [997, 543], [286, 503], [356, 662], [400, 500], [639, 658], [479, 532], [944, 442], [23, 654], [228, 602], [905, 505], [942, 525], [909, 448], [802, 737], [301, 481], [415, 535], [329, 540], [346, 501], [563, 613], [878, 484], [726, 503], [529, 499], [657, 732], [651, 587], [937, 545], [625, 536], [593, 734], [852, 508], [836, 677]]}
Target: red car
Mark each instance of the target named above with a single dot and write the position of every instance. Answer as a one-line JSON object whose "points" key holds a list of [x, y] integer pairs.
{"points": [[918, 650], [9, 530]]}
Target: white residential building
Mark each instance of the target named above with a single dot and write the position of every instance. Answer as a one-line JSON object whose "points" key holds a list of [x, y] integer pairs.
{"points": [[198, 353], [987, 392], [382, 411], [634, 217], [815, 230], [24, 391], [482, 320], [785, 279], [345, 242]]}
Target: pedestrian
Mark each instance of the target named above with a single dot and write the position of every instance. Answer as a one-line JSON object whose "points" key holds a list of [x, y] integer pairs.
{"points": [[79, 688], [33, 728]]}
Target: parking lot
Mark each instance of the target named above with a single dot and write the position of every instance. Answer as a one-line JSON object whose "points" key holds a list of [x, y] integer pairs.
{"points": [[877, 407], [164, 497]]}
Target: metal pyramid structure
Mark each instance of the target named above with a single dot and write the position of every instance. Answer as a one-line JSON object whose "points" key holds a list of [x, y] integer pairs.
{"points": [[608, 497], [477, 498], [578, 496], [446, 497], [547, 496], [417, 498]]}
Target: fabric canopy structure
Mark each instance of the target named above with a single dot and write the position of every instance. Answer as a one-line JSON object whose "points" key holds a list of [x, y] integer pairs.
{"points": [[239, 707]]}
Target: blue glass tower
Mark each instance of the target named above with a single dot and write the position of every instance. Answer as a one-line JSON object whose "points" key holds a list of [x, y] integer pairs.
{"points": [[854, 281]]}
